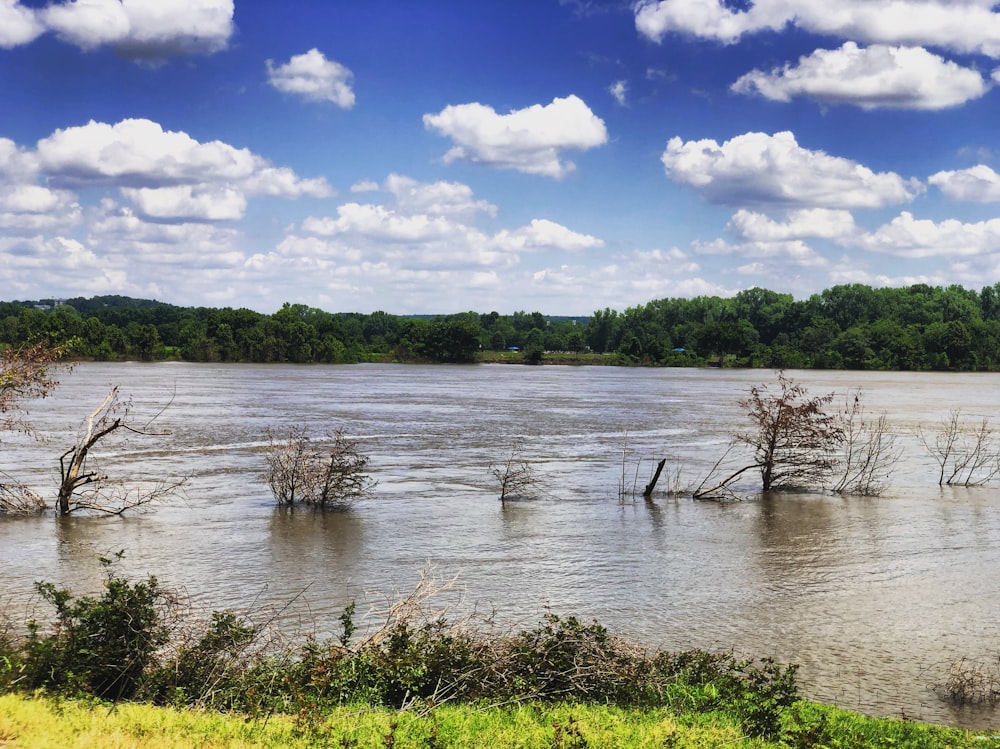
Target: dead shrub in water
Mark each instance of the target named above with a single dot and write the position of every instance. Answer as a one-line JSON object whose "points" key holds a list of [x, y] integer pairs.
{"points": [[971, 682], [966, 454], [329, 473], [513, 473], [868, 453]]}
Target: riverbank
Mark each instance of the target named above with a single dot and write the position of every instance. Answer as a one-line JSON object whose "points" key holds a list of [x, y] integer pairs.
{"points": [[37, 722]]}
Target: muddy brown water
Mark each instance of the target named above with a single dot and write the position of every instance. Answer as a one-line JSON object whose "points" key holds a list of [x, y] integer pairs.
{"points": [[874, 598]]}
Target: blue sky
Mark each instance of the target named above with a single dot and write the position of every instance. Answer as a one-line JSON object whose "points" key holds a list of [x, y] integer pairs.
{"points": [[437, 156]]}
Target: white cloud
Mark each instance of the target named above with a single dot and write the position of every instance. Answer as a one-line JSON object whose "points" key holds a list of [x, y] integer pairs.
{"points": [[31, 208], [761, 169], [294, 246], [211, 178], [140, 151], [443, 198], [782, 252], [424, 229], [122, 234], [16, 163], [652, 274], [58, 263], [383, 223], [848, 272], [979, 184], [529, 140], [878, 76], [18, 24], [906, 236], [958, 25], [282, 182], [314, 78], [148, 30], [619, 90], [365, 185], [545, 234], [821, 223], [215, 203]]}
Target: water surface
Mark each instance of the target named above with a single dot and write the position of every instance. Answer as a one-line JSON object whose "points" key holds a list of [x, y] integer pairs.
{"points": [[873, 597]]}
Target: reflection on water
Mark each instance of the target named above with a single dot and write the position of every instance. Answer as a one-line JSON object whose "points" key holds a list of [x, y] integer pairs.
{"points": [[872, 597]]}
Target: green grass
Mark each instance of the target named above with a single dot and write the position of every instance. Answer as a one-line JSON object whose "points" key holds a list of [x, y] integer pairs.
{"points": [[42, 722]]}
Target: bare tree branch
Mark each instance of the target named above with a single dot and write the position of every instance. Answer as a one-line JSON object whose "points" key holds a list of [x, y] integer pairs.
{"points": [[84, 487], [868, 450]]}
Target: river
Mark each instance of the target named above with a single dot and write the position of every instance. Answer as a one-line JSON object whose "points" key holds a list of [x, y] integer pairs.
{"points": [[874, 598]]}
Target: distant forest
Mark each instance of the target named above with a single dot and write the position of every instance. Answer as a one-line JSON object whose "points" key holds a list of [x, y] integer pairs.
{"points": [[853, 326]]}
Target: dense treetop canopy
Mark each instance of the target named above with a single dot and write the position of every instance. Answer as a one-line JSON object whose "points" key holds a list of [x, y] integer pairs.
{"points": [[853, 326]]}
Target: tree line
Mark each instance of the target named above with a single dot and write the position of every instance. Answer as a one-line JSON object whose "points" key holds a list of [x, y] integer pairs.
{"points": [[853, 326]]}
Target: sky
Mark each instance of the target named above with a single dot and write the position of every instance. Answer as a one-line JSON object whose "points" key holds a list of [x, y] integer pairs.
{"points": [[438, 156]]}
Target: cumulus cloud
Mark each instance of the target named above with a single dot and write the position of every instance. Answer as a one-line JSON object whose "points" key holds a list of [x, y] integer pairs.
{"points": [[18, 24], [820, 223], [542, 233], [382, 223], [314, 78], [282, 182], [640, 274], [119, 232], [959, 25], [423, 227], [140, 151], [443, 198], [978, 184], [761, 169], [782, 252], [906, 236], [16, 163], [30, 208], [56, 262], [365, 185], [873, 77], [146, 30], [212, 203], [167, 174], [529, 140]]}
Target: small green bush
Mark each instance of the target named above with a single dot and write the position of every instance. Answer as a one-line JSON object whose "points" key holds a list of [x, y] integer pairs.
{"points": [[99, 646], [117, 646], [207, 671]]}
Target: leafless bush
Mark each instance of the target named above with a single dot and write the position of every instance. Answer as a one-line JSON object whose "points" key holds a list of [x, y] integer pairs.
{"points": [[967, 455], [971, 682], [514, 474], [331, 473], [17, 499], [868, 450]]}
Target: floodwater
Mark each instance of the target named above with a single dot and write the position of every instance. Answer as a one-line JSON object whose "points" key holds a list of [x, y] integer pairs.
{"points": [[874, 598]]}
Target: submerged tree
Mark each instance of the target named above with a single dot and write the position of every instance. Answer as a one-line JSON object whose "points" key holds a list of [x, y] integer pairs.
{"points": [[331, 473], [792, 438], [868, 452], [83, 486], [514, 474], [966, 455]]}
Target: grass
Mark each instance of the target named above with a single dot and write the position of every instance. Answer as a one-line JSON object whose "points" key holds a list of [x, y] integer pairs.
{"points": [[40, 722]]}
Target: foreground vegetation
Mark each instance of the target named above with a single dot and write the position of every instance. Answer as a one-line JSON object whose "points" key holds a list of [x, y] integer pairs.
{"points": [[919, 327], [33, 722], [126, 669]]}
